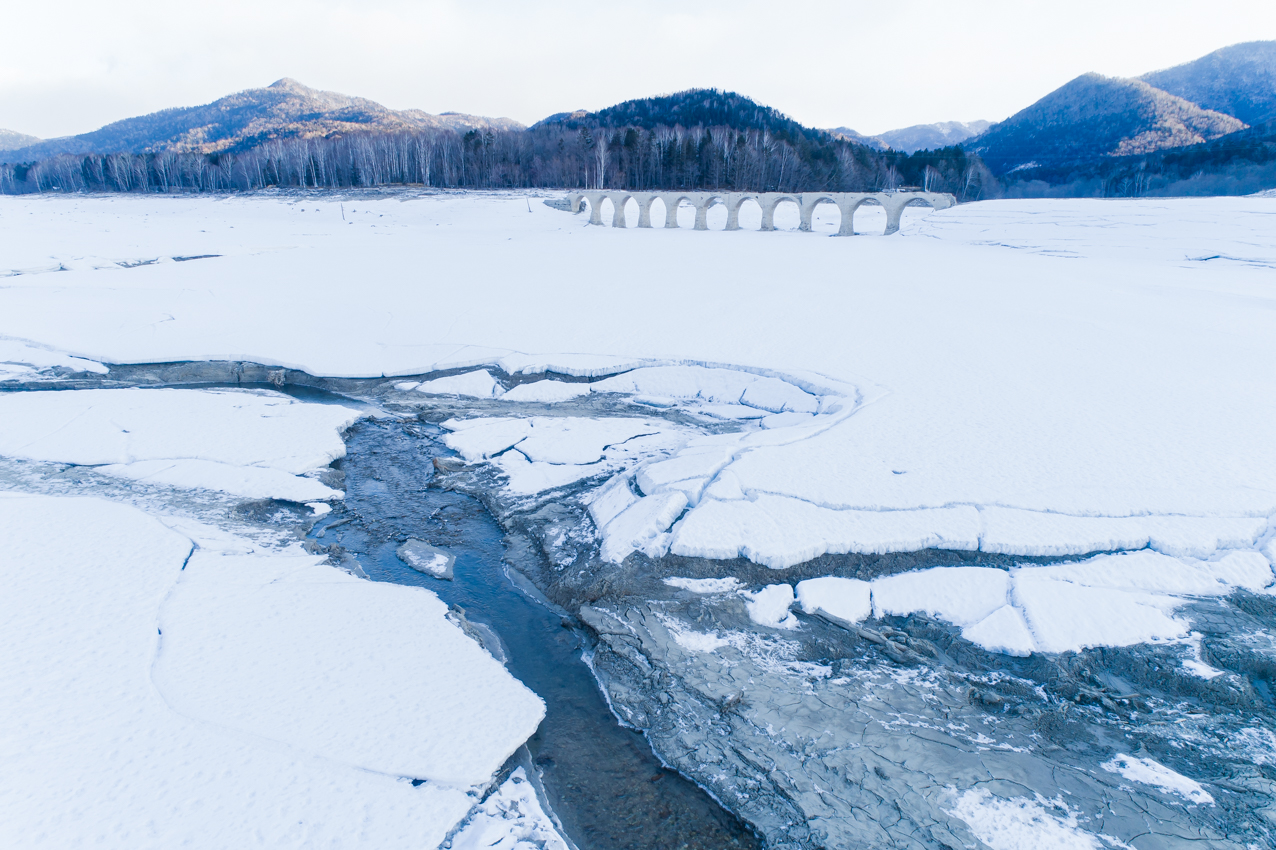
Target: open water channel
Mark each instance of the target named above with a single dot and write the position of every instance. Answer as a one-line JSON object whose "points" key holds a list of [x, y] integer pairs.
{"points": [[603, 781]]}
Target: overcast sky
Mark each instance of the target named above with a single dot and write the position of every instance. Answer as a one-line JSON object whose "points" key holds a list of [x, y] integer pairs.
{"points": [[69, 67]]}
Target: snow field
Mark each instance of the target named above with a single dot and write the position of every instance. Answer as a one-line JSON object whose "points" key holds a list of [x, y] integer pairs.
{"points": [[243, 702], [1030, 391], [1025, 354], [247, 443]]}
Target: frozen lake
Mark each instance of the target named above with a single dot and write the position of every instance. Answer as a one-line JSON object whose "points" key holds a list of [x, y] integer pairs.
{"points": [[1006, 477]]}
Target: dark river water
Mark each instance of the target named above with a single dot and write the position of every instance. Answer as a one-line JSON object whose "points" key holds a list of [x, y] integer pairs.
{"points": [[603, 781]]}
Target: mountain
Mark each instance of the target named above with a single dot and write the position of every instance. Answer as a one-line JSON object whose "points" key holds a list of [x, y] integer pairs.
{"points": [[691, 108], [1095, 116], [850, 135], [929, 137], [284, 109], [1239, 81], [10, 140]]}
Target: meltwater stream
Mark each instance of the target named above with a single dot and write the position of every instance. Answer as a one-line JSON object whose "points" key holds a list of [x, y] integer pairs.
{"points": [[603, 781]]}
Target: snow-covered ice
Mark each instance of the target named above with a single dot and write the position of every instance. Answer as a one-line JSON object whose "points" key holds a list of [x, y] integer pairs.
{"points": [[430, 703], [1068, 617], [961, 595], [249, 443], [246, 701], [425, 558], [705, 585], [1150, 772], [1022, 377], [1021, 822], [1021, 359], [22, 361], [846, 599], [477, 384], [770, 606], [546, 391], [512, 818]]}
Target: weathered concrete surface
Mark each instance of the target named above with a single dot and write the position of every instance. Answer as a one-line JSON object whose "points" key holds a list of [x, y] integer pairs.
{"points": [[846, 202]]}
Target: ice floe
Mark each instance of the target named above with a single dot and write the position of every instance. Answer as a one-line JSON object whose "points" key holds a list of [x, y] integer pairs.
{"points": [[246, 700], [478, 384], [546, 391], [770, 606], [846, 599], [961, 595], [248, 443]]}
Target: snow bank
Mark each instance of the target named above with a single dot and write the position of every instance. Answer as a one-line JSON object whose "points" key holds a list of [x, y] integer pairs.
{"points": [[248, 443], [260, 712]]}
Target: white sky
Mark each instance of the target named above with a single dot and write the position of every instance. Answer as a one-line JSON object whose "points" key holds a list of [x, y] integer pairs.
{"points": [[70, 67]]}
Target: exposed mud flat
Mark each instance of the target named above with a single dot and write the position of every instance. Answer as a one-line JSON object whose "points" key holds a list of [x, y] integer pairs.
{"points": [[896, 733]]}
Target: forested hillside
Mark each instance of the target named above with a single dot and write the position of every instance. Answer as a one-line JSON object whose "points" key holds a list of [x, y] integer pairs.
{"points": [[285, 109], [699, 139], [1093, 117], [1239, 81]]}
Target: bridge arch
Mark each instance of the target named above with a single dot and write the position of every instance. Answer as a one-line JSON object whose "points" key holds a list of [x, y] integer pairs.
{"points": [[618, 201], [708, 201], [810, 202], [735, 202], [770, 202]]}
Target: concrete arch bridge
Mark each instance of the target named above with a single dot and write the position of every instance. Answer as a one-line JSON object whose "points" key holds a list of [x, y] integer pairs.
{"points": [[846, 202]]}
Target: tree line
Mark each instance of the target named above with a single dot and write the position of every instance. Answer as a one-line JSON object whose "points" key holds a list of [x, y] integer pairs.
{"points": [[553, 155]]}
